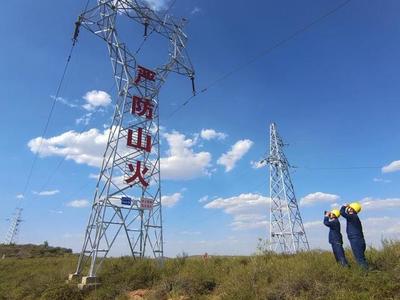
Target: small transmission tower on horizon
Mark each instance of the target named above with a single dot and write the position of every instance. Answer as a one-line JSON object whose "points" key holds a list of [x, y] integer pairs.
{"points": [[13, 230], [127, 199], [287, 234]]}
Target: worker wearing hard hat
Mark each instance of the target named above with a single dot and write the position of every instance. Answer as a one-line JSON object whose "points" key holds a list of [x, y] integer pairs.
{"points": [[331, 220], [355, 232]]}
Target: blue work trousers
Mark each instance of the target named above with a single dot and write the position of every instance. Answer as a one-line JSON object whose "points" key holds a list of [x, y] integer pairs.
{"points": [[358, 247], [338, 252]]}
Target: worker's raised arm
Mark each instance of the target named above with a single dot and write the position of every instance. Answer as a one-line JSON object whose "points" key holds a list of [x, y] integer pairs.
{"points": [[344, 213], [326, 221]]}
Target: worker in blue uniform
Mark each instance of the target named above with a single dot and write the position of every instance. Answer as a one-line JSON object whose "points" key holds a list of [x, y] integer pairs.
{"points": [[355, 232], [331, 220]]}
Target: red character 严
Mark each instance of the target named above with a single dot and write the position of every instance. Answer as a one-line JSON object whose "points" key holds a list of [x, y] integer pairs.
{"points": [[147, 74]]}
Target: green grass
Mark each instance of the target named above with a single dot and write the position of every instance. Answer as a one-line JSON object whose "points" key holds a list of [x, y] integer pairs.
{"points": [[311, 275]]}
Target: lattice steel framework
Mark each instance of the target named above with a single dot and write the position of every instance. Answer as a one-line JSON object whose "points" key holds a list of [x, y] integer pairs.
{"points": [[127, 199], [13, 230], [287, 232]]}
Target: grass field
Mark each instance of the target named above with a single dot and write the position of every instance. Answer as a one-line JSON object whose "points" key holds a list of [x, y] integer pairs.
{"points": [[311, 275]]}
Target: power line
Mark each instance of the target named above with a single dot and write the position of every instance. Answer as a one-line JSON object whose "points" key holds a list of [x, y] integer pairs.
{"points": [[62, 160], [48, 119], [263, 53]]}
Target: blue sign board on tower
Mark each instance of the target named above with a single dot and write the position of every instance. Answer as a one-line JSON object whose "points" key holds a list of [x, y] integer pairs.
{"points": [[126, 201]]}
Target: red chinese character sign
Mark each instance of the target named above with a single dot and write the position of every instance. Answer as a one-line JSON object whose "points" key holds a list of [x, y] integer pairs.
{"points": [[127, 199], [142, 107], [143, 73]]}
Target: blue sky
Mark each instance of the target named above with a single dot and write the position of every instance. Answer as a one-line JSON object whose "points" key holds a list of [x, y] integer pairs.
{"points": [[333, 92]]}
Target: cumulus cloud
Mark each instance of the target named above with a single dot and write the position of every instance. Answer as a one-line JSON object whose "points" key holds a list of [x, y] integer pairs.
{"points": [[96, 99], [209, 134], [238, 150], [20, 196], [376, 203], [47, 193], [83, 148], [249, 211], [394, 166], [378, 228], [318, 197], [78, 203], [182, 162], [171, 200]]}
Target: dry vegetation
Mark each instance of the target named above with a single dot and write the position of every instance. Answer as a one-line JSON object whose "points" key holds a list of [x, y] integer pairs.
{"points": [[312, 275]]}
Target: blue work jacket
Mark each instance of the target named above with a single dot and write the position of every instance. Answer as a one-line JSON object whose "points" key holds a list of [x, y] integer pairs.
{"points": [[354, 228], [334, 230]]}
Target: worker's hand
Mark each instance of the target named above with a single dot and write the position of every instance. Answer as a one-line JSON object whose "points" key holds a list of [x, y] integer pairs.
{"points": [[327, 213]]}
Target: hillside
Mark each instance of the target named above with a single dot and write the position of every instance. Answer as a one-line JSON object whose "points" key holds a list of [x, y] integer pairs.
{"points": [[31, 251], [312, 275]]}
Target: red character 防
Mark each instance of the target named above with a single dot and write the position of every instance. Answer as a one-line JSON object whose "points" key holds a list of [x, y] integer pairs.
{"points": [[142, 106]]}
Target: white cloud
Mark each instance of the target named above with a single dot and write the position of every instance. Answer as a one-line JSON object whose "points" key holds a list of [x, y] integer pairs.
{"points": [[47, 193], [171, 200], [195, 10], [156, 5], [335, 205], [78, 203], [209, 134], [181, 161], [372, 203], [238, 150], [64, 101], [83, 148], [249, 211], [381, 180], [20, 196], [96, 99], [258, 164], [318, 197], [378, 228], [203, 199], [85, 119], [394, 166]]}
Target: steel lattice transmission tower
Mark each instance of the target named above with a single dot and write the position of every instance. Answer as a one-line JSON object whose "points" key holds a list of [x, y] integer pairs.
{"points": [[13, 230], [127, 199], [287, 232]]}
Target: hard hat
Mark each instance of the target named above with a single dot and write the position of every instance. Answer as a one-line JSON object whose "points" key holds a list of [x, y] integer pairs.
{"points": [[336, 212], [356, 206]]}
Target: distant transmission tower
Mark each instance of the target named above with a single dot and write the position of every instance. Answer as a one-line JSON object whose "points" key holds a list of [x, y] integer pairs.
{"points": [[287, 232], [13, 230], [127, 200]]}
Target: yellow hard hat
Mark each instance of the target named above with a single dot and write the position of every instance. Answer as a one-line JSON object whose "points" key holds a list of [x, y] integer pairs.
{"points": [[356, 206], [336, 212]]}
